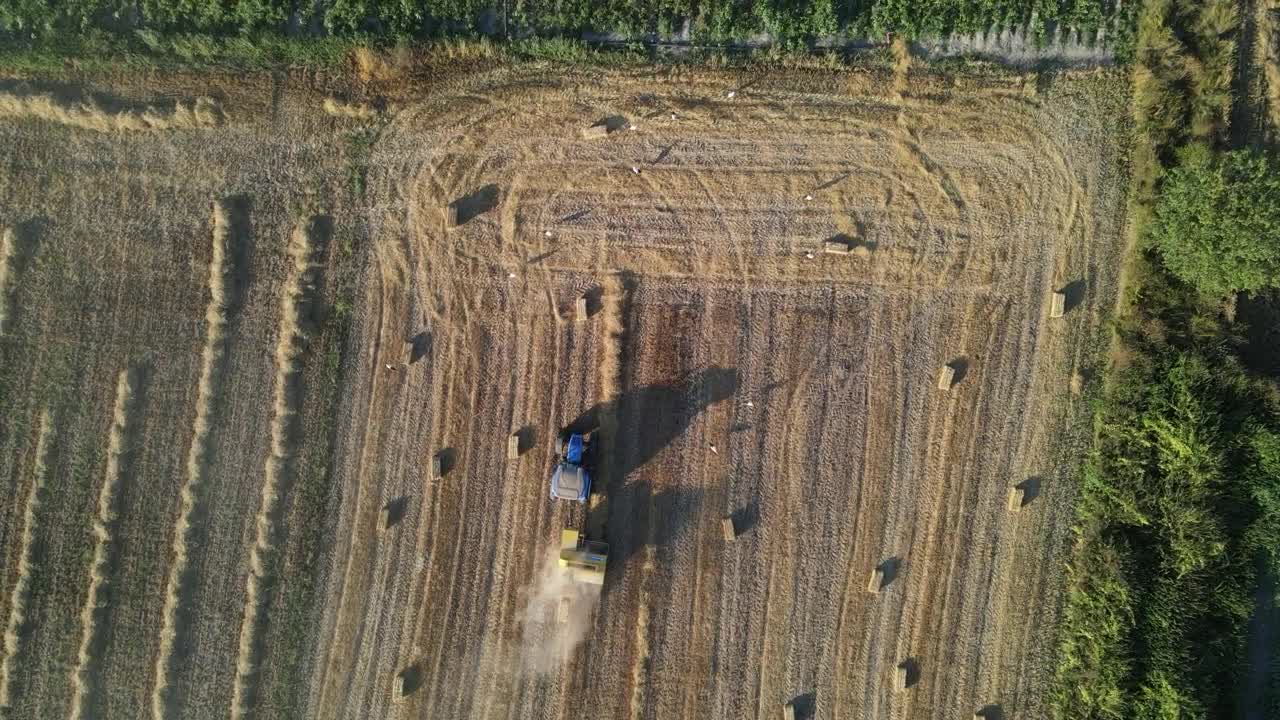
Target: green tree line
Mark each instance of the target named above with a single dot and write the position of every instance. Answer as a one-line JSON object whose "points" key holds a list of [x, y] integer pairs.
{"points": [[1178, 520], [1179, 515], [786, 20]]}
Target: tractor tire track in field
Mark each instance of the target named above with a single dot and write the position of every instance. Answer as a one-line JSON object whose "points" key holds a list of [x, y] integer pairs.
{"points": [[365, 510]]}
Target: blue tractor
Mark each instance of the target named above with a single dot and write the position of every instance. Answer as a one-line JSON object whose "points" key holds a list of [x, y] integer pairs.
{"points": [[570, 480]]}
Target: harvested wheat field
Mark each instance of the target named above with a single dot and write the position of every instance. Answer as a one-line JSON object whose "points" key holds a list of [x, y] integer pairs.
{"points": [[238, 344]]}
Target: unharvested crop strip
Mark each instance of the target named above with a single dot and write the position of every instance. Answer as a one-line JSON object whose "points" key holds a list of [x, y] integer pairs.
{"points": [[89, 115], [614, 312], [610, 359], [103, 530], [294, 311], [7, 253], [21, 588], [611, 315], [640, 663], [198, 456]]}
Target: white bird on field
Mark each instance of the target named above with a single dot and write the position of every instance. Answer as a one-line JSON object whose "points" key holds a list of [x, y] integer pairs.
{"points": [[808, 197], [809, 255], [635, 169], [547, 233], [732, 93]]}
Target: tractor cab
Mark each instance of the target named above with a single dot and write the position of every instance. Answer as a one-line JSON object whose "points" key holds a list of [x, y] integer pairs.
{"points": [[570, 479]]}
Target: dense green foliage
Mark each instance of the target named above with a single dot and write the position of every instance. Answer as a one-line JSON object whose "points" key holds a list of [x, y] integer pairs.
{"points": [[1179, 512], [1180, 506], [1185, 61], [1217, 223], [790, 21]]}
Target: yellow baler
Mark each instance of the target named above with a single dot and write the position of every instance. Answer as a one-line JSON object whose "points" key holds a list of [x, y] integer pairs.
{"points": [[585, 559]]}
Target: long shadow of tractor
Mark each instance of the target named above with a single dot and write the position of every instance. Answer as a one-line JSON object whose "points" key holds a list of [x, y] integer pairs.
{"points": [[621, 512]]}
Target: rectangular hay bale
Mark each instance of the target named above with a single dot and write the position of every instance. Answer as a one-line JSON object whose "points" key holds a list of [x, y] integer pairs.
{"points": [[595, 132], [789, 711], [900, 678], [876, 582], [398, 686], [726, 526], [946, 377], [1058, 305], [451, 216], [385, 520], [580, 309], [836, 247], [513, 446], [437, 466], [1016, 494]]}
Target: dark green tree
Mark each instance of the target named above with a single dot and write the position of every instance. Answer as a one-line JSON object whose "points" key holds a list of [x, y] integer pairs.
{"points": [[1217, 222]]}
